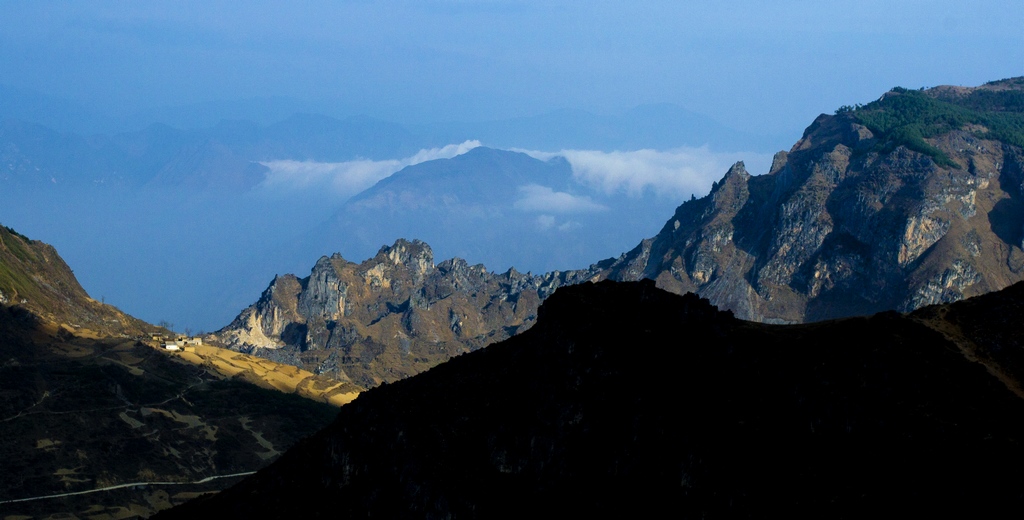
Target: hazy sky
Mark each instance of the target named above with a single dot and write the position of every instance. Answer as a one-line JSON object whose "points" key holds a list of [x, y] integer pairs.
{"points": [[766, 66]]}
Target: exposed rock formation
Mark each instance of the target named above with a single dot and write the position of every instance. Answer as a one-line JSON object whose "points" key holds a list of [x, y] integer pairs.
{"points": [[850, 223], [389, 317]]}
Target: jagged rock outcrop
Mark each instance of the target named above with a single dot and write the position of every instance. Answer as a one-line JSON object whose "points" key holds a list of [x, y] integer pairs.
{"points": [[389, 317], [849, 222]]}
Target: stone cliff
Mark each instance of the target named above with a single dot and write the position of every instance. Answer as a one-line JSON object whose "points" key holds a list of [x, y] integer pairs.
{"points": [[390, 317], [854, 221]]}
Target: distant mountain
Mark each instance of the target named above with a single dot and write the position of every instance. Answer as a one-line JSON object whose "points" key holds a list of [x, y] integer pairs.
{"points": [[225, 157], [627, 400], [493, 205]]}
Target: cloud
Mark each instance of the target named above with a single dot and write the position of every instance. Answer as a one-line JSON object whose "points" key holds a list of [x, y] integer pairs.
{"points": [[675, 173], [548, 222], [545, 222], [345, 179], [541, 199]]}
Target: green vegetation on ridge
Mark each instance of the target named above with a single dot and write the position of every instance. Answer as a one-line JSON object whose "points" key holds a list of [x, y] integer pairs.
{"points": [[908, 117]]}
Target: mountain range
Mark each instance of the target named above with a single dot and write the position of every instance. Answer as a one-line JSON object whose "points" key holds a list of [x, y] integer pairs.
{"points": [[855, 347], [279, 191], [912, 200]]}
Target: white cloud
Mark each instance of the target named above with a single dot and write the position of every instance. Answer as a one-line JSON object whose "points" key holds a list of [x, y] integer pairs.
{"points": [[548, 222], [545, 222], [541, 199], [675, 173], [345, 179]]}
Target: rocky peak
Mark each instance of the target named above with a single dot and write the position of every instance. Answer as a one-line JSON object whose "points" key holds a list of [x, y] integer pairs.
{"points": [[415, 253], [911, 200], [391, 316]]}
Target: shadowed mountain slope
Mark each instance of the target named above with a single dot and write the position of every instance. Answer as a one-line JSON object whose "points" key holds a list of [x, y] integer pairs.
{"points": [[34, 276], [90, 406], [626, 399]]}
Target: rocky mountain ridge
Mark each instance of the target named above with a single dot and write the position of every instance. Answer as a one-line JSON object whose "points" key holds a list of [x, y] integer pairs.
{"points": [[925, 208], [389, 317], [853, 221]]}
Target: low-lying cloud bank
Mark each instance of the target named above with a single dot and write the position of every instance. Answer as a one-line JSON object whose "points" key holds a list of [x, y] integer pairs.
{"points": [[345, 179], [675, 173], [542, 199]]}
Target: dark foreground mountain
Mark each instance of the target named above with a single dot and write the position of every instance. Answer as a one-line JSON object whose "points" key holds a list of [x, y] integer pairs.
{"points": [[626, 399], [90, 408], [915, 199]]}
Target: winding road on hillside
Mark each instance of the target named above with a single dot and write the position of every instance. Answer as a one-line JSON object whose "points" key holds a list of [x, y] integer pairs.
{"points": [[130, 484]]}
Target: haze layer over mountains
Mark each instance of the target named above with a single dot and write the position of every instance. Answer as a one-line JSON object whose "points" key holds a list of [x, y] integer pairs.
{"points": [[185, 226]]}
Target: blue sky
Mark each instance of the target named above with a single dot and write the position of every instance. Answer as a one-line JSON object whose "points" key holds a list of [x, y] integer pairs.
{"points": [[763, 66]]}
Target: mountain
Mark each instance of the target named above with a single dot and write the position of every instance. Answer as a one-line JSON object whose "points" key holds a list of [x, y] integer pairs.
{"points": [[493, 206], [90, 404], [392, 316], [624, 399], [34, 276], [223, 158], [913, 200]]}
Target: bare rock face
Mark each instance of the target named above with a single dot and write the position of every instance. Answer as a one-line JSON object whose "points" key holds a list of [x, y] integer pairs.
{"points": [[849, 223], [389, 317]]}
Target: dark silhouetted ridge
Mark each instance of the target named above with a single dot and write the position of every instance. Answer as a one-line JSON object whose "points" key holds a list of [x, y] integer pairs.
{"points": [[624, 399]]}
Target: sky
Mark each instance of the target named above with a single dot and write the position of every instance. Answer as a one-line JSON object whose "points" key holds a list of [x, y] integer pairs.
{"points": [[757, 65]]}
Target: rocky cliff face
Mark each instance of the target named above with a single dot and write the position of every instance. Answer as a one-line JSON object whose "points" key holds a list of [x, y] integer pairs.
{"points": [[854, 221], [908, 201], [389, 317]]}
